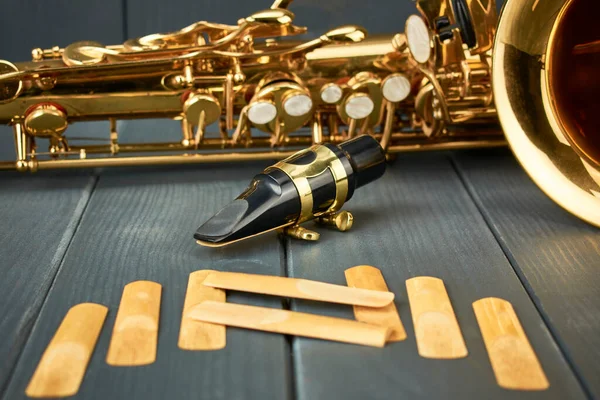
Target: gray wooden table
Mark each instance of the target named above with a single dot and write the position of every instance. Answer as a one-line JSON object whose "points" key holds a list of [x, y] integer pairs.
{"points": [[472, 218]]}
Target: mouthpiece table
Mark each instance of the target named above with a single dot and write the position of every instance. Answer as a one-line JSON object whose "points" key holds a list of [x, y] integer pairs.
{"points": [[472, 219]]}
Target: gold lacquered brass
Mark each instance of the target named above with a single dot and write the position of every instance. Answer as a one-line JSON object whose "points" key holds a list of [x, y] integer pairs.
{"points": [[46, 120], [327, 160], [429, 88], [243, 78], [546, 92]]}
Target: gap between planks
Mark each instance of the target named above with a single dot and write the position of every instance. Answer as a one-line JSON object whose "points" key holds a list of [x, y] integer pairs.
{"points": [[284, 246], [58, 259], [478, 203]]}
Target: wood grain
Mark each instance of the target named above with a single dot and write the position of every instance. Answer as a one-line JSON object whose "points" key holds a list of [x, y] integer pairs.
{"points": [[417, 220], [135, 335], [368, 277], [139, 224], [63, 364], [436, 329], [298, 289], [39, 213], [291, 323], [554, 253], [514, 362], [38, 217], [198, 335]]}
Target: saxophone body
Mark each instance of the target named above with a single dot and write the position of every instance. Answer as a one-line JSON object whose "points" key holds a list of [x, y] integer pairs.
{"points": [[458, 76], [238, 81]]}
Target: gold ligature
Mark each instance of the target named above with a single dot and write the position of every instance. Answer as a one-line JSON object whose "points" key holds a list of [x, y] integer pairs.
{"points": [[442, 84]]}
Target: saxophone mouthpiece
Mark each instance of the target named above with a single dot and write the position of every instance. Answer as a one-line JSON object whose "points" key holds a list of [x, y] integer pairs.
{"points": [[312, 184]]}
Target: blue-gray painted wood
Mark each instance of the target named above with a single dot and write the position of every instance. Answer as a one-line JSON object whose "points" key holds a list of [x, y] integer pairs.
{"points": [[28, 24], [383, 17], [38, 217], [556, 254], [139, 225], [417, 220], [150, 16]]}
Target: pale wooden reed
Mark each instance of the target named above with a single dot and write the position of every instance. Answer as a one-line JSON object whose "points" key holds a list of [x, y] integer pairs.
{"points": [[64, 362], [368, 277], [436, 328], [291, 323], [513, 360], [298, 288], [198, 335], [135, 335]]}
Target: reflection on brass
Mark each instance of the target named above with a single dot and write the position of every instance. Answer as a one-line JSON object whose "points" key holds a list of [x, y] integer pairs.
{"points": [[45, 120], [342, 220], [429, 88], [551, 122], [300, 174]]}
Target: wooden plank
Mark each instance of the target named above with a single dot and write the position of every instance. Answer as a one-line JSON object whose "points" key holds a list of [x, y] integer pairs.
{"points": [[417, 220], [139, 225], [39, 215], [556, 255], [29, 24]]}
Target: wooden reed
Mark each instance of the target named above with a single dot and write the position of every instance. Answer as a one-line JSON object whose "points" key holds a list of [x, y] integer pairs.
{"points": [[198, 335], [64, 362], [513, 360], [135, 334], [436, 328], [368, 277], [298, 288], [291, 323]]}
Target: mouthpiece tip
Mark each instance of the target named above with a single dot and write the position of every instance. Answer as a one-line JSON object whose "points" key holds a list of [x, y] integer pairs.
{"points": [[223, 225]]}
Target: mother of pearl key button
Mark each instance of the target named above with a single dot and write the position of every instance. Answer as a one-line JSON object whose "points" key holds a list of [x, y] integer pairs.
{"points": [[297, 105], [395, 88], [262, 112], [359, 106], [417, 35], [331, 93]]}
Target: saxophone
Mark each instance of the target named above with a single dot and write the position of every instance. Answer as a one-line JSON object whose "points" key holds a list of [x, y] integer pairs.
{"points": [[251, 91]]}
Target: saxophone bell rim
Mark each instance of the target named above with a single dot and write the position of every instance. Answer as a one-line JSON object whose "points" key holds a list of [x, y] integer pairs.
{"points": [[572, 185]]}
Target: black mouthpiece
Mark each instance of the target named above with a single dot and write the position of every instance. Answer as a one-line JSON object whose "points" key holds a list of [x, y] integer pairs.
{"points": [[367, 158], [277, 197]]}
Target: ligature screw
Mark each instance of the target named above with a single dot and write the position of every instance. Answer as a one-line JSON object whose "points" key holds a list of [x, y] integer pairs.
{"points": [[298, 232], [342, 220]]}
